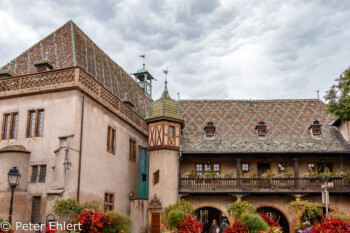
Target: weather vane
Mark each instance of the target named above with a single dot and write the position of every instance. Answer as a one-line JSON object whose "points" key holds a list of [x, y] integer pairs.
{"points": [[144, 58], [166, 75]]}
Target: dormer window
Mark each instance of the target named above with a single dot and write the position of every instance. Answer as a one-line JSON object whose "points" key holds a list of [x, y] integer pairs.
{"points": [[209, 130], [43, 66], [261, 129], [316, 129]]}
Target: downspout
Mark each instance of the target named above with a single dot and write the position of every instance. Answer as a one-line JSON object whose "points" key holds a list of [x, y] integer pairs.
{"points": [[81, 143], [178, 172]]}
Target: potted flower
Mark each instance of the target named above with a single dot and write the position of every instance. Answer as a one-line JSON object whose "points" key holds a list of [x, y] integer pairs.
{"points": [[192, 174], [210, 175], [268, 175], [344, 174], [326, 175], [229, 174]]}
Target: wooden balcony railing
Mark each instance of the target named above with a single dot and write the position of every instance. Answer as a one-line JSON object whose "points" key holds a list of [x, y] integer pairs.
{"points": [[259, 185]]}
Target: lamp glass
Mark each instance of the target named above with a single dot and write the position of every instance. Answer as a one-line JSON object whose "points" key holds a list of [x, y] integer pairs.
{"points": [[14, 176], [67, 164]]}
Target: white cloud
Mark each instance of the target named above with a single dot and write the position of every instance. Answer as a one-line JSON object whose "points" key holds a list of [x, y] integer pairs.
{"points": [[214, 49]]}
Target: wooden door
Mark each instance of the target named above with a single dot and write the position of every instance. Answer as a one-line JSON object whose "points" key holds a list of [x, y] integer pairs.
{"points": [[155, 224], [143, 172]]}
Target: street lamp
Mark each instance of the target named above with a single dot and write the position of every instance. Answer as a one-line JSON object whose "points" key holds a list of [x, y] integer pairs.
{"points": [[67, 164], [13, 177]]}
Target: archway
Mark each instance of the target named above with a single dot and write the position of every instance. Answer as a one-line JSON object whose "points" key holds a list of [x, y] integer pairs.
{"points": [[206, 215], [277, 216]]}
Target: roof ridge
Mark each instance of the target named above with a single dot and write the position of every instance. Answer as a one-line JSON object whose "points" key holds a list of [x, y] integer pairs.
{"points": [[247, 100]]}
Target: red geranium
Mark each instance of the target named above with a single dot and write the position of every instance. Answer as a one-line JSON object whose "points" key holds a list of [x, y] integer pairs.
{"points": [[237, 227], [330, 225], [189, 225], [93, 222]]}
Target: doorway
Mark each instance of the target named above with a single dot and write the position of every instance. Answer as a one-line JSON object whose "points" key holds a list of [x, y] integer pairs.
{"points": [[263, 167], [206, 215]]}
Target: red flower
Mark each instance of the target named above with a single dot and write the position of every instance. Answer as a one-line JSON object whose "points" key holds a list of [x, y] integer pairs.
{"points": [[189, 225], [237, 227]]}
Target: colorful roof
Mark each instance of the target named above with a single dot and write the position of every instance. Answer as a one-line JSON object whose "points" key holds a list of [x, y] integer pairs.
{"points": [[67, 47], [165, 106], [287, 125]]}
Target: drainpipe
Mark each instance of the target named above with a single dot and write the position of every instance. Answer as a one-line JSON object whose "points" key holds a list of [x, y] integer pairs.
{"points": [[178, 172], [81, 143]]}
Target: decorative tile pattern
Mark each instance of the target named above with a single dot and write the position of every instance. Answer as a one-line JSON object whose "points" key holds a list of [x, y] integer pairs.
{"points": [[67, 47], [287, 124]]}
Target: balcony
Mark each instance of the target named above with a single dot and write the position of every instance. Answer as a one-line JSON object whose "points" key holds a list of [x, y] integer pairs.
{"points": [[260, 185]]}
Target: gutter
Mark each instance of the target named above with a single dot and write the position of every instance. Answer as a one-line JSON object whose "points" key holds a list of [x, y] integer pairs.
{"points": [[81, 144]]}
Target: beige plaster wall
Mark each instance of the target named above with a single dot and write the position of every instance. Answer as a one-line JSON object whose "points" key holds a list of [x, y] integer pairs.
{"points": [[345, 130], [166, 162], [138, 213]]}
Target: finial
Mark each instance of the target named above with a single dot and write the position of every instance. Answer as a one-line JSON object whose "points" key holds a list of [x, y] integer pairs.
{"points": [[178, 95], [318, 94], [166, 81], [144, 59]]}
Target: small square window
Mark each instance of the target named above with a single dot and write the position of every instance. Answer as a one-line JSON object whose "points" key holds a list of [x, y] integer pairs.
{"points": [[111, 140], [311, 167], [199, 169], [281, 168], [245, 167], [109, 202], [132, 150]]}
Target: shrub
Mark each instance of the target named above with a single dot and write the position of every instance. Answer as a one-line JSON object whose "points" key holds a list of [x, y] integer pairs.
{"points": [[254, 223], [309, 210], [69, 208], [339, 213], [2, 221], [189, 225], [237, 227], [331, 226], [174, 217], [238, 208], [119, 222], [268, 220], [182, 205], [93, 222]]}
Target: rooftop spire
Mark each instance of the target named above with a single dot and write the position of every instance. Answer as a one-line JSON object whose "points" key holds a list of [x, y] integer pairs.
{"points": [[166, 81], [144, 59]]}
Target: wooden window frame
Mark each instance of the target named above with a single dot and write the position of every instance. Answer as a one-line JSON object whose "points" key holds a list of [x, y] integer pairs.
{"points": [[109, 202], [279, 170], [36, 124], [156, 177], [111, 140], [211, 166], [199, 172], [11, 123], [244, 172], [132, 150], [173, 131], [314, 167]]}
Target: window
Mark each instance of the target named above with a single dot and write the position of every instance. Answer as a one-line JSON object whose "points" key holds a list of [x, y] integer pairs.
{"points": [[311, 167], [38, 173], [156, 177], [281, 168], [35, 218], [109, 202], [245, 168], [132, 152], [316, 129], [42, 175], [261, 129], [216, 168], [111, 140], [171, 131], [199, 169], [209, 130], [321, 167], [34, 176], [35, 123], [10, 126], [207, 168]]}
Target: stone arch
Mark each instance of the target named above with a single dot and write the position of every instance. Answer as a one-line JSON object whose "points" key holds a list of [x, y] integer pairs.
{"points": [[285, 214], [215, 206]]}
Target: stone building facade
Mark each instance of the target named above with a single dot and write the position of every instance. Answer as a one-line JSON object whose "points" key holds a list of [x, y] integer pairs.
{"points": [[64, 98]]}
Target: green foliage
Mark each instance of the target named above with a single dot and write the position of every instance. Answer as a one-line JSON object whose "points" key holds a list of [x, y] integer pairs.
{"points": [[254, 222], [339, 214], [182, 205], [238, 208], [174, 217], [69, 208], [309, 210], [119, 222], [338, 97]]}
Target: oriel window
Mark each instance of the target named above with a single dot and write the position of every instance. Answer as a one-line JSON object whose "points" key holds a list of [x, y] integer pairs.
{"points": [[35, 125], [10, 126], [111, 140]]}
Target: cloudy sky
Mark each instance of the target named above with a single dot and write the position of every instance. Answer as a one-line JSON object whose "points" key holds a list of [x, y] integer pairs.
{"points": [[241, 49]]}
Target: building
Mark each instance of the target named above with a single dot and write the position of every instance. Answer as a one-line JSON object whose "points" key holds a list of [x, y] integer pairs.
{"points": [[64, 99]]}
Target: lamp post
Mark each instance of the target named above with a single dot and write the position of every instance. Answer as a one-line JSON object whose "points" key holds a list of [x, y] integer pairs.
{"points": [[67, 163], [14, 177]]}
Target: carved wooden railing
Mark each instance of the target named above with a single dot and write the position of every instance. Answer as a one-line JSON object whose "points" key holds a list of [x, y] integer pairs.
{"points": [[260, 185], [69, 78]]}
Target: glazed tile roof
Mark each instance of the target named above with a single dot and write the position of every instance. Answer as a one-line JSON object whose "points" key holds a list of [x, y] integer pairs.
{"points": [[287, 124], [165, 106], [67, 47]]}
